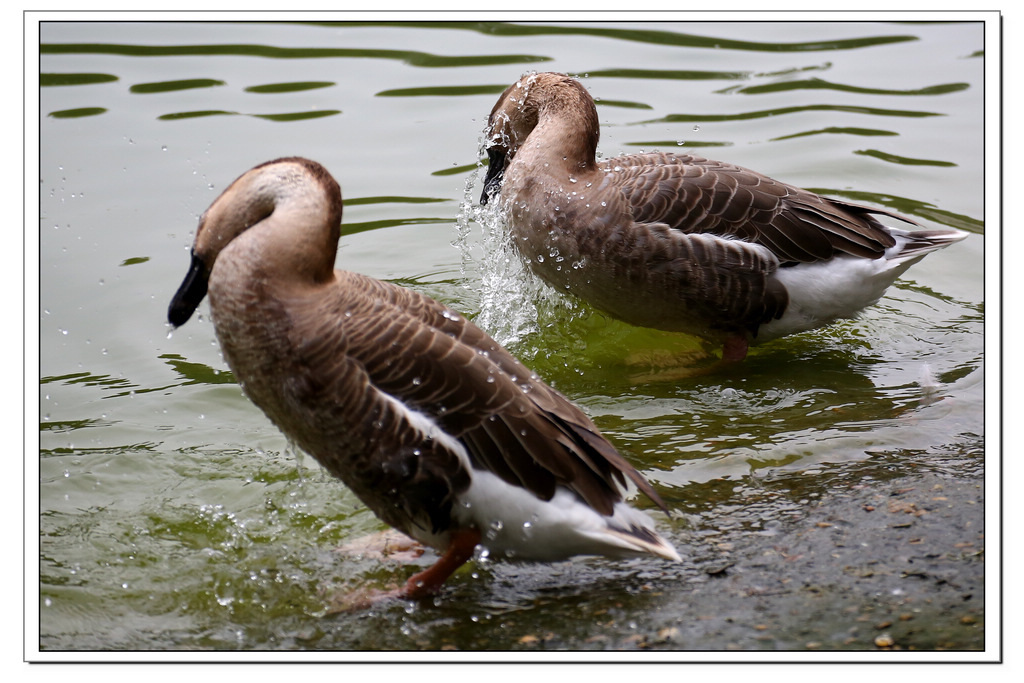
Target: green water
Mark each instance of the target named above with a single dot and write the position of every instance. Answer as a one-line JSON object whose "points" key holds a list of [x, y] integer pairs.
{"points": [[172, 515]]}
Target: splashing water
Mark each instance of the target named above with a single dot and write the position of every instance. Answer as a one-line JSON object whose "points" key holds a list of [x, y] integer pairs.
{"points": [[508, 291]]}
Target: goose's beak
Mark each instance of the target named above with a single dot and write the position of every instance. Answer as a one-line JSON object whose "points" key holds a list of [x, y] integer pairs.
{"points": [[190, 294], [495, 173]]}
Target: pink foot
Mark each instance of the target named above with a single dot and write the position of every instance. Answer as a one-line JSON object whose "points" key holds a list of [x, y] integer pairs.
{"points": [[734, 349], [422, 585]]}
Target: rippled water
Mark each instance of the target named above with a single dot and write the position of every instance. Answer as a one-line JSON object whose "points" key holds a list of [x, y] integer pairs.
{"points": [[173, 516]]}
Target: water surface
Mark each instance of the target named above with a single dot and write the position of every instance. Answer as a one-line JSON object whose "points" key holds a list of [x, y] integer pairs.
{"points": [[172, 514]]}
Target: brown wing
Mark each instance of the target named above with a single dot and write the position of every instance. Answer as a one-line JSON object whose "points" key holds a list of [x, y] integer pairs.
{"points": [[722, 284], [440, 364], [696, 195]]}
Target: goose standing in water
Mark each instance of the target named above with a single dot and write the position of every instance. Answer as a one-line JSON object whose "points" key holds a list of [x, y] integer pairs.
{"points": [[440, 431], [677, 242]]}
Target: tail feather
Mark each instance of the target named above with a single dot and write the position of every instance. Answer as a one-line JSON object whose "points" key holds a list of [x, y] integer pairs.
{"points": [[914, 244], [641, 540], [633, 532]]}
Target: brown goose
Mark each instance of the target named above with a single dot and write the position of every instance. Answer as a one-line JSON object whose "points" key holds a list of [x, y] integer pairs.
{"points": [[438, 429], [677, 242]]}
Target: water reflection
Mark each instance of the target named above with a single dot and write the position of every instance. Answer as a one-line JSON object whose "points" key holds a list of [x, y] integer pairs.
{"points": [[410, 57], [780, 111], [822, 84], [175, 518], [77, 113], [649, 36], [197, 373], [174, 86], [278, 88]]}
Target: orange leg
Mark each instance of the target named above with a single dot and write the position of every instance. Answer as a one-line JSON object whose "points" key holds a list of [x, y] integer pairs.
{"points": [[429, 581]]}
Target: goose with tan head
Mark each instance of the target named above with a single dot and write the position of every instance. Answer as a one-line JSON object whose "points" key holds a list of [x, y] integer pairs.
{"points": [[440, 431], [677, 242]]}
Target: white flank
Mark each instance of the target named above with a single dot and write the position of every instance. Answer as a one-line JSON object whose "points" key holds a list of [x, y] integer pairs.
{"points": [[515, 524], [826, 291]]}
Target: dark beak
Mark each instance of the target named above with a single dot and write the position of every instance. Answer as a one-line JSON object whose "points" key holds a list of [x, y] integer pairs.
{"points": [[190, 294], [495, 172]]}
